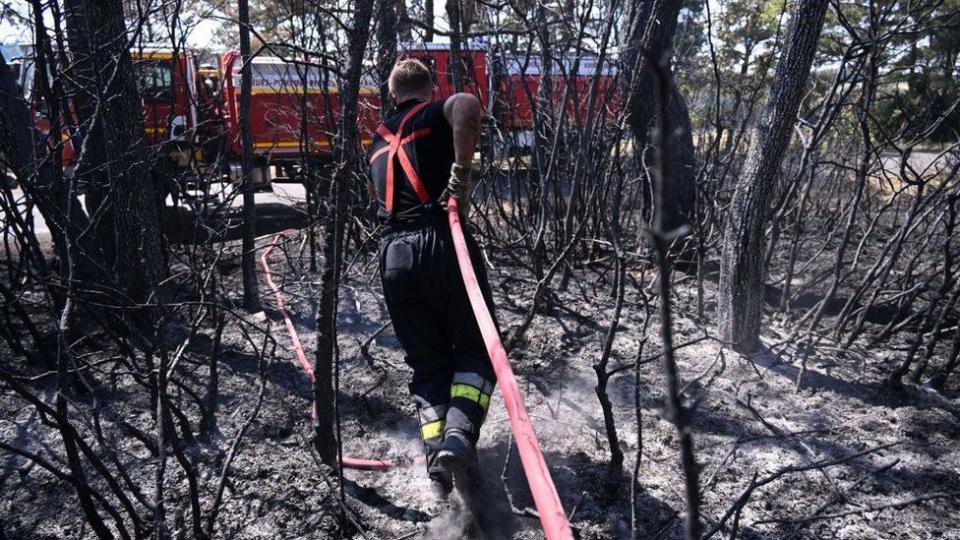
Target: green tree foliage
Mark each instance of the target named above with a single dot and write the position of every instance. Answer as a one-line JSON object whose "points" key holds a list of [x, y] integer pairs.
{"points": [[743, 35], [921, 43], [924, 86]]}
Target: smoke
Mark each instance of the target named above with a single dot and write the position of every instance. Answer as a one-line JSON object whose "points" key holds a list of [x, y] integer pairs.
{"points": [[453, 523], [483, 514]]}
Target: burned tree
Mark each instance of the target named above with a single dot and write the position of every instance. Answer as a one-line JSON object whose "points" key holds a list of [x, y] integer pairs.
{"points": [[122, 206], [740, 297], [324, 390], [650, 36], [652, 26], [248, 258], [386, 49]]}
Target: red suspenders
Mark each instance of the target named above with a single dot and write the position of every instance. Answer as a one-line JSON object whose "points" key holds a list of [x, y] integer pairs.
{"points": [[395, 143]]}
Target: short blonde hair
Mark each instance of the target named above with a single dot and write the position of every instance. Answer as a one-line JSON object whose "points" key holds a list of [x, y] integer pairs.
{"points": [[409, 76]]}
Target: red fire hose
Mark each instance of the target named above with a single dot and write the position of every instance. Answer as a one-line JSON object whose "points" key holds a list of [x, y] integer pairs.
{"points": [[291, 329], [545, 497], [350, 463]]}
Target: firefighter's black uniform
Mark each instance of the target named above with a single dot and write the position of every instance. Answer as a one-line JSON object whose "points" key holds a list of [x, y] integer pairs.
{"points": [[452, 375]]}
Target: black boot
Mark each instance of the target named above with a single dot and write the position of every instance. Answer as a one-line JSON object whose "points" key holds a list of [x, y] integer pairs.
{"points": [[457, 445], [491, 517], [441, 484], [458, 456]]}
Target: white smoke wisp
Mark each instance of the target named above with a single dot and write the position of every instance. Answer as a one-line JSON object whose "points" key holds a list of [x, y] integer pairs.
{"points": [[453, 523]]}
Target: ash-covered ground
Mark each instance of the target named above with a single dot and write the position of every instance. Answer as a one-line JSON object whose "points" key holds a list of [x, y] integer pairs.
{"points": [[842, 457]]}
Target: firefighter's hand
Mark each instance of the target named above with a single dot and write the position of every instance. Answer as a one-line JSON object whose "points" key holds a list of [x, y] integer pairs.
{"points": [[458, 187]]}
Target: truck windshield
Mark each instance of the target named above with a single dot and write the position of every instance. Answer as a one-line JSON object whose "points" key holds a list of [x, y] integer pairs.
{"points": [[154, 80]]}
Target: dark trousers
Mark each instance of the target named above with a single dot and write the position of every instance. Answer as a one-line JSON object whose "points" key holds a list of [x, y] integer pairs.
{"points": [[452, 375]]}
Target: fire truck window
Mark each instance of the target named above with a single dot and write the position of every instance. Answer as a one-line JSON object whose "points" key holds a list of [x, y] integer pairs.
{"points": [[469, 76], [278, 76], [270, 76], [155, 80]]}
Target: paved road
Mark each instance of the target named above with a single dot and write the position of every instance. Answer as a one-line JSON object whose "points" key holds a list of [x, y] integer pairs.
{"points": [[270, 203], [282, 202], [923, 163]]}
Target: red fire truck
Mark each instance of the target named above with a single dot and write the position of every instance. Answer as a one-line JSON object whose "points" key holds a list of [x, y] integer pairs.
{"points": [[171, 104], [294, 109], [575, 85], [514, 80], [191, 112]]}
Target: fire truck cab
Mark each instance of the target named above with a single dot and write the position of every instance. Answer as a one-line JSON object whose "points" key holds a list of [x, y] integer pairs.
{"points": [[168, 85]]}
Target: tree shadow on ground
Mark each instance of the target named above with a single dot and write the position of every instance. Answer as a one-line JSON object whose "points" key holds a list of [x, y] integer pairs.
{"points": [[281, 371], [597, 497], [374, 499], [874, 393], [181, 224], [877, 314]]}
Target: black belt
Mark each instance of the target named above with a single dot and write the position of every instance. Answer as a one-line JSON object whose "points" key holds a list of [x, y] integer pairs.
{"points": [[395, 225]]}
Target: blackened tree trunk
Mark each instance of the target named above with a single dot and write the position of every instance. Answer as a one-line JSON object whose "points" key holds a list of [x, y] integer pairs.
{"points": [[248, 261], [652, 94], [386, 50], [324, 390], [456, 63], [428, 20], [113, 161], [650, 38], [740, 298], [84, 75]]}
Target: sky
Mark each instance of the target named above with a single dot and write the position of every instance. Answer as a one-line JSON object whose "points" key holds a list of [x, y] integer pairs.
{"points": [[8, 32], [11, 33], [200, 36]]}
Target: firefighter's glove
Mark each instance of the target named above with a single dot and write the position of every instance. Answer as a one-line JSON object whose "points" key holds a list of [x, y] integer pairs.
{"points": [[458, 187]]}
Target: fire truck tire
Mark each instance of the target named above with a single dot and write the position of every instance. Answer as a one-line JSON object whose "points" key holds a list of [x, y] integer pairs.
{"points": [[164, 177]]}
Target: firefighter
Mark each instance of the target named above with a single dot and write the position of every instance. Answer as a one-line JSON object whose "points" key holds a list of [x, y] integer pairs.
{"points": [[422, 154]]}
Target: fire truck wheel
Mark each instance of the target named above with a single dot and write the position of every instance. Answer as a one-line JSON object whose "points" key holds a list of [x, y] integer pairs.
{"points": [[165, 183]]}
